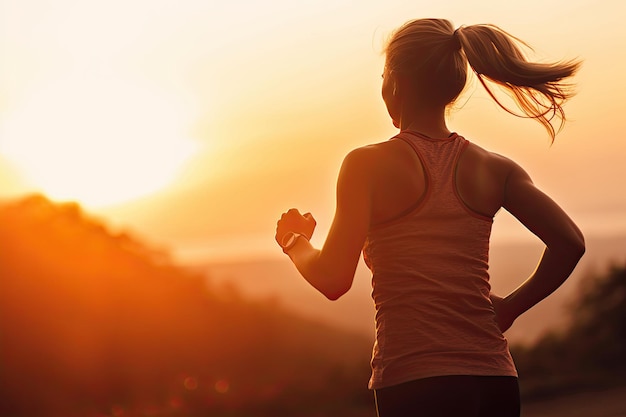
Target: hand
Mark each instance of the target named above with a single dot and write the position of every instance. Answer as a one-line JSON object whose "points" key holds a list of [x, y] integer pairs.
{"points": [[293, 221], [503, 316]]}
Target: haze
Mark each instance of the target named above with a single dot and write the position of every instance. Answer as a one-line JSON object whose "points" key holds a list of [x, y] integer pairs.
{"points": [[196, 123]]}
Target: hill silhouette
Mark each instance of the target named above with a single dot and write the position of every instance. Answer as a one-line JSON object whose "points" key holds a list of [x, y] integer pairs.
{"points": [[96, 323]]}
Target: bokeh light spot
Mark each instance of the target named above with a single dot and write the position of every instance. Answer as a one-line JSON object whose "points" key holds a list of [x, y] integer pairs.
{"points": [[117, 411], [222, 386], [191, 383]]}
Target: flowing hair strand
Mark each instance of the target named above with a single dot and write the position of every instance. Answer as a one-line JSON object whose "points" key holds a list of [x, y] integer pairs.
{"points": [[538, 89]]}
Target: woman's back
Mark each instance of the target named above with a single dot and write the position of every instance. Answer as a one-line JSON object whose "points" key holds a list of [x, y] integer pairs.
{"points": [[399, 182], [429, 263]]}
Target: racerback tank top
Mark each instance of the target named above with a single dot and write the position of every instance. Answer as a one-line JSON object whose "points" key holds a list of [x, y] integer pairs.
{"points": [[430, 281]]}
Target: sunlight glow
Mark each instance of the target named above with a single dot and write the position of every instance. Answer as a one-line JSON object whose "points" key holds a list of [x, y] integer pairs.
{"points": [[100, 141]]}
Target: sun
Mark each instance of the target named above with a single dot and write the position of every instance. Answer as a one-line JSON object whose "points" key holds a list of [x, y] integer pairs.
{"points": [[98, 141]]}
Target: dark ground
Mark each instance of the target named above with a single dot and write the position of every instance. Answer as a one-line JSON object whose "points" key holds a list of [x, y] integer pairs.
{"points": [[603, 403]]}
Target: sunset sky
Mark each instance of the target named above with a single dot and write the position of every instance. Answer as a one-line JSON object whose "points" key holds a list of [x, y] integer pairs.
{"points": [[196, 123]]}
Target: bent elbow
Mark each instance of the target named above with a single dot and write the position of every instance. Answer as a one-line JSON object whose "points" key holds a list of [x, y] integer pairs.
{"points": [[575, 247], [334, 296], [570, 245], [580, 247], [335, 293]]}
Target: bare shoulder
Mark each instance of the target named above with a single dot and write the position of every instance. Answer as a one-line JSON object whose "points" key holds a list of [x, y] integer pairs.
{"points": [[374, 149], [374, 156], [497, 164], [358, 164], [482, 179]]}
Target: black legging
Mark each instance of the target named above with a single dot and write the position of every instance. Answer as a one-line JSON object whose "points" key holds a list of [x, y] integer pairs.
{"points": [[451, 396]]}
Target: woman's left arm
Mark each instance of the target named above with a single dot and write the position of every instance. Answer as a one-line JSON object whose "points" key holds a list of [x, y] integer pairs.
{"points": [[331, 269]]}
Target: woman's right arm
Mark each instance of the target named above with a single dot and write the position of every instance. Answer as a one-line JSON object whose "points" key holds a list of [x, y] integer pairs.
{"points": [[564, 241]]}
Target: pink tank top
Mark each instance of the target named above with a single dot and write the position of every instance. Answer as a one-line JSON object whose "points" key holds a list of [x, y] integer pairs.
{"points": [[430, 281]]}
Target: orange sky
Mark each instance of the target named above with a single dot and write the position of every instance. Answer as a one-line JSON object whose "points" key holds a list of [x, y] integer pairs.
{"points": [[196, 123]]}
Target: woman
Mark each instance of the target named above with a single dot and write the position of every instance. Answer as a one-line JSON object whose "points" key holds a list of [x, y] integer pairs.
{"points": [[420, 207]]}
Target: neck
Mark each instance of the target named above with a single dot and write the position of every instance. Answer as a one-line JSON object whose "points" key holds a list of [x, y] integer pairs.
{"points": [[430, 121]]}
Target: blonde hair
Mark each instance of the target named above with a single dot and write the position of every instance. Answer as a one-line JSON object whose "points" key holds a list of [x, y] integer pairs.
{"points": [[437, 57]]}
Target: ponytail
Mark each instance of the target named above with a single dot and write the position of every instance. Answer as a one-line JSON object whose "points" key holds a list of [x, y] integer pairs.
{"points": [[538, 89]]}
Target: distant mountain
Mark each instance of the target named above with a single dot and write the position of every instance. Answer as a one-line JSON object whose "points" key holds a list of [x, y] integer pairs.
{"points": [[95, 323], [511, 264]]}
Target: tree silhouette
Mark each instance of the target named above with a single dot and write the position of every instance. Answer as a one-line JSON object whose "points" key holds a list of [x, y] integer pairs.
{"points": [[588, 353], [599, 322]]}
